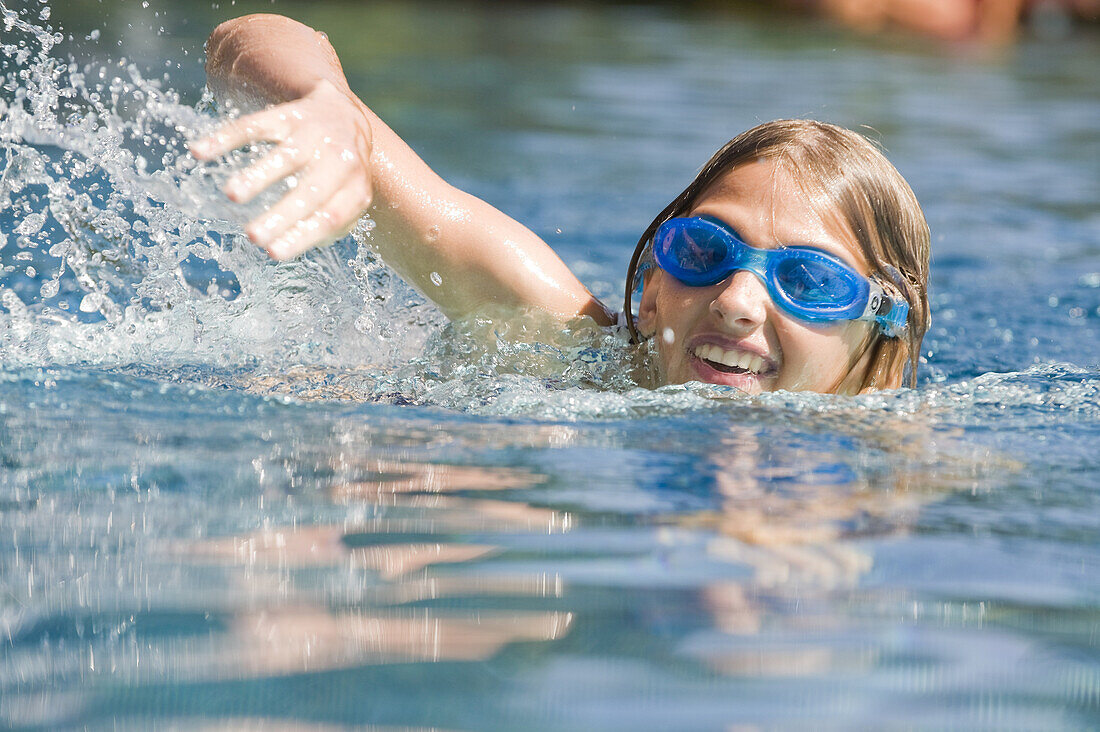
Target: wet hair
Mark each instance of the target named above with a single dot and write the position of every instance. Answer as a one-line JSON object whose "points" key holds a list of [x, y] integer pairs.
{"points": [[846, 179]]}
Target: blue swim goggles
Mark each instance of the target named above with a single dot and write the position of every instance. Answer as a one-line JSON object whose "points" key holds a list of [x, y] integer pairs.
{"points": [[809, 284]]}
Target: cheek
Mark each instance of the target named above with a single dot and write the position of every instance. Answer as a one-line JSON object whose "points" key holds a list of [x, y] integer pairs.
{"points": [[678, 308], [668, 336], [820, 359]]}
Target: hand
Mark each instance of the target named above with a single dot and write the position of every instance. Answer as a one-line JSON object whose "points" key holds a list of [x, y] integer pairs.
{"points": [[324, 140]]}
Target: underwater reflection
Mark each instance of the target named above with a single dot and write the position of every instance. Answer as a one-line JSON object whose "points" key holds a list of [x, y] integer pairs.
{"points": [[802, 522], [403, 578]]}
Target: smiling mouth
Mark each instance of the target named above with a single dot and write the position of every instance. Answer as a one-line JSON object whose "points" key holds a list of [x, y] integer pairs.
{"points": [[730, 362], [726, 369]]}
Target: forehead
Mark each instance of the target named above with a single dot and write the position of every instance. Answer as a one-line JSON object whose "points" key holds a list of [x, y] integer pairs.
{"points": [[768, 208]]}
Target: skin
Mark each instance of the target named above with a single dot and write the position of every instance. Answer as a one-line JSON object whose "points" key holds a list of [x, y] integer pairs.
{"points": [[763, 204], [469, 257]]}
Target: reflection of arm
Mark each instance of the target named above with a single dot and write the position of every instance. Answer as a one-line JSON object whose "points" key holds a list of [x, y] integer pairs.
{"points": [[290, 640], [460, 251]]}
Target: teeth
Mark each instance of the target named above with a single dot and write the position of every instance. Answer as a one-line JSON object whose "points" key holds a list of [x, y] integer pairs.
{"points": [[735, 359]]}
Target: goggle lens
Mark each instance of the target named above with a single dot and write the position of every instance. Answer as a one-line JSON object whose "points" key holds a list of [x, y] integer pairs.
{"points": [[811, 282], [693, 254]]}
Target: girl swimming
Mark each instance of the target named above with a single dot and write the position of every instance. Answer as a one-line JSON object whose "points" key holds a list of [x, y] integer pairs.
{"points": [[797, 259]]}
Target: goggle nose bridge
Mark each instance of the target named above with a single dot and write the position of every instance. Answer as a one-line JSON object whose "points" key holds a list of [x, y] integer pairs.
{"points": [[751, 259]]}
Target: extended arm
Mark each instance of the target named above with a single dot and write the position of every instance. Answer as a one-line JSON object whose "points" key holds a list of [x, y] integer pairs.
{"points": [[348, 162]]}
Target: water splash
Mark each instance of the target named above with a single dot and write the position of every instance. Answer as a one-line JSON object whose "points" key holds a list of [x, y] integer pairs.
{"points": [[119, 248]]}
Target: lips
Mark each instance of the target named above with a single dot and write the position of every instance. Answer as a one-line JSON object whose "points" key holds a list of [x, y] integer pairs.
{"points": [[724, 363], [741, 361]]}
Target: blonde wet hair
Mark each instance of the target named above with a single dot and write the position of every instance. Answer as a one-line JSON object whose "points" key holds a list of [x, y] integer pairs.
{"points": [[846, 179]]}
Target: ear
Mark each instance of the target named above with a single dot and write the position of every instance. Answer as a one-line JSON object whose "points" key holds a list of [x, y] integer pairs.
{"points": [[647, 307]]}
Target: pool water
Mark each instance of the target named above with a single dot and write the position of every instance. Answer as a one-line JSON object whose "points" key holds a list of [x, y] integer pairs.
{"points": [[241, 495]]}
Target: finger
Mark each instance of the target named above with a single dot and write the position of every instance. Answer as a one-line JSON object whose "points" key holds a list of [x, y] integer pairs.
{"points": [[330, 222], [310, 192], [271, 125], [276, 165]]}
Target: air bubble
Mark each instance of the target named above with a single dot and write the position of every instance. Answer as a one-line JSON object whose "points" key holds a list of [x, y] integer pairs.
{"points": [[437, 280]]}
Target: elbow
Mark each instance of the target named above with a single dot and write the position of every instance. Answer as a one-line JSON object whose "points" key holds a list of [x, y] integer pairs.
{"points": [[233, 37], [219, 48], [267, 55]]}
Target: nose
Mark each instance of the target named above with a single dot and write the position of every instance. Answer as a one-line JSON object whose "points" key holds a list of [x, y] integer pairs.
{"points": [[742, 303]]}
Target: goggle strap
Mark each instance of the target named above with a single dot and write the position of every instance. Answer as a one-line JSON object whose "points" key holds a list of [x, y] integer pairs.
{"points": [[647, 263]]}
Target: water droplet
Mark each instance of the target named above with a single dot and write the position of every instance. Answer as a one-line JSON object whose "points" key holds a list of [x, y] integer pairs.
{"points": [[90, 302], [437, 280], [31, 224], [49, 288], [668, 335]]}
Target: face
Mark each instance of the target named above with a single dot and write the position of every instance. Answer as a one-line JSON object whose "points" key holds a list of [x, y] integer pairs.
{"points": [[696, 329]]}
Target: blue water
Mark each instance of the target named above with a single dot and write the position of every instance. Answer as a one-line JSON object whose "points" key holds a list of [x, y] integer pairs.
{"points": [[240, 495]]}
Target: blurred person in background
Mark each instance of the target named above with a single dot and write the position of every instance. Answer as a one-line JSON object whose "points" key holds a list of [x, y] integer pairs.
{"points": [[995, 21]]}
